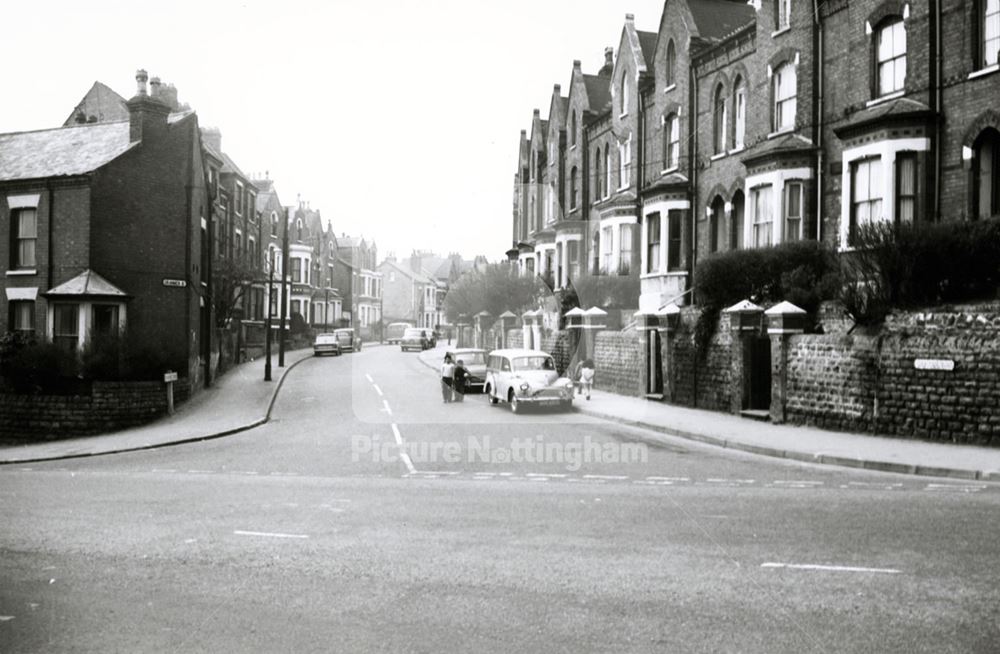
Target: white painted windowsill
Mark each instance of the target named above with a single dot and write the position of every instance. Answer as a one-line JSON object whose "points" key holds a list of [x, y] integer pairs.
{"points": [[672, 169], [783, 30], [885, 98], [780, 132], [17, 273], [716, 157], [983, 72], [670, 88]]}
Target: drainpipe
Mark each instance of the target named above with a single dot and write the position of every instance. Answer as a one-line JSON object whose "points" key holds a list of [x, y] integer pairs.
{"points": [[51, 239], [641, 169], [937, 109], [693, 194], [818, 42]]}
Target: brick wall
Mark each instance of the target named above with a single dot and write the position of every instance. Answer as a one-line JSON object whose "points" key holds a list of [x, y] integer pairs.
{"points": [[109, 407], [830, 381], [617, 362]]}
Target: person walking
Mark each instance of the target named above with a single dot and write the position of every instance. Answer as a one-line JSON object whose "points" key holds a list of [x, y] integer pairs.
{"points": [[576, 377], [587, 375], [447, 378], [458, 381]]}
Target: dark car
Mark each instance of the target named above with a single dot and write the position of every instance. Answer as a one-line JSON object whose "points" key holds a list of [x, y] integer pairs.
{"points": [[348, 340]]}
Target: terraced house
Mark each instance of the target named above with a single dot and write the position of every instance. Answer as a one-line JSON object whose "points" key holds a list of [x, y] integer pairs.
{"points": [[744, 125]]}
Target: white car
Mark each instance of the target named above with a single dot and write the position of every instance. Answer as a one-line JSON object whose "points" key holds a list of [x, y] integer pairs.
{"points": [[526, 377], [326, 344]]}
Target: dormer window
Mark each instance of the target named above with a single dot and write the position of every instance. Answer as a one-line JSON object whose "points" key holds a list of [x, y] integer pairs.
{"points": [[891, 56]]}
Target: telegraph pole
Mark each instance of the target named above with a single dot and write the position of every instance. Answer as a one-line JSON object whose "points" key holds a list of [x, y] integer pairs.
{"points": [[267, 324], [284, 293]]}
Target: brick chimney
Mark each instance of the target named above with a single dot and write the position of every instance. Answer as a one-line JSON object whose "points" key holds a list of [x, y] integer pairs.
{"points": [[609, 62], [212, 136], [165, 93], [147, 115]]}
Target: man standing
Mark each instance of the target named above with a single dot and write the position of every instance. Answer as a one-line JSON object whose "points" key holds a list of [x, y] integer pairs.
{"points": [[458, 381], [447, 378]]}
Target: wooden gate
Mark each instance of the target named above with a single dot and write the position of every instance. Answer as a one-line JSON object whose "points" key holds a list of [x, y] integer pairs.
{"points": [[758, 374]]}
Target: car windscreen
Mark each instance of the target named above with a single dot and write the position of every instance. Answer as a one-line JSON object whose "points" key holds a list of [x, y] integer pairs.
{"points": [[522, 364], [413, 333]]}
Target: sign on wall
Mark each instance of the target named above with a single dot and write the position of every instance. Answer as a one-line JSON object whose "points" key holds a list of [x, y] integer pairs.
{"points": [[934, 364], [176, 283]]}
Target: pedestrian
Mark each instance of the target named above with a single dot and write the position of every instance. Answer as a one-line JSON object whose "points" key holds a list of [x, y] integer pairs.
{"points": [[576, 377], [458, 381], [587, 375], [447, 377]]}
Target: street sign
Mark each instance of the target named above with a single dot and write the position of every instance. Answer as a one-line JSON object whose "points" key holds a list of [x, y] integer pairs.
{"points": [[170, 376], [176, 283], [934, 364]]}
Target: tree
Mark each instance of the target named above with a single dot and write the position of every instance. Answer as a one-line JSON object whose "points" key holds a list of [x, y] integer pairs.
{"points": [[231, 282], [497, 288]]}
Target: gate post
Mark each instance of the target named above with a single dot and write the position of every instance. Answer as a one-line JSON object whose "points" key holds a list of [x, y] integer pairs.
{"points": [[527, 322], [506, 324], [744, 321], [645, 325], [783, 321]]}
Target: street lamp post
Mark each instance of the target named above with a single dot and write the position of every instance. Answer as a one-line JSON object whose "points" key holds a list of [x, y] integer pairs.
{"points": [[267, 325]]}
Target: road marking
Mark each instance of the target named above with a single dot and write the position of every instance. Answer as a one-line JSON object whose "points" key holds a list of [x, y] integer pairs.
{"points": [[6, 618], [267, 534], [439, 472], [244, 472], [546, 474], [377, 389], [731, 481], [960, 488], [404, 456], [829, 568], [396, 434], [611, 477], [370, 380], [284, 474], [387, 409], [200, 472], [27, 469], [797, 482], [164, 470]]}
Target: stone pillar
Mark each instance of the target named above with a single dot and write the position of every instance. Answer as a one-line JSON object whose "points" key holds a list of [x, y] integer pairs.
{"points": [[745, 322], [783, 321], [645, 325], [536, 332], [527, 320], [507, 320], [462, 338], [669, 319], [482, 322], [593, 322]]}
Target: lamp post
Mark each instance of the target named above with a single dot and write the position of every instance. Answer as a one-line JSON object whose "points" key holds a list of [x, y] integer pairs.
{"points": [[267, 324]]}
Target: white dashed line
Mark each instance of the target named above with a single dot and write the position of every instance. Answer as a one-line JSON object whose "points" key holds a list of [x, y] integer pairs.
{"points": [[668, 478], [828, 568], [387, 409], [377, 389], [244, 472], [6, 618], [369, 378], [955, 488], [396, 434], [609, 477], [546, 474], [164, 470], [267, 534], [200, 472], [404, 456], [731, 481]]}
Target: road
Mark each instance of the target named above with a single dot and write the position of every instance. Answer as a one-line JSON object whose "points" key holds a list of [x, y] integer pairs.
{"points": [[311, 533]]}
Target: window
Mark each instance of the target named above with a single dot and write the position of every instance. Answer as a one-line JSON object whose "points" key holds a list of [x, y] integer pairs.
{"points": [[607, 170], [572, 127], [296, 270], [906, 187], [719, 119], [274, 223], [296, 307], [986, 174], [674, 242], [105, 319], [573, 259], [989, 33], [595, 253], [24, 235], [891, 57], [670, 63], [239, 198], [606, 250], [22, 317], [624, 163], [625, 246], [66, 326], [784, 97], [671, 142], [572, 189], [793, 211], [866, 200], [624, 92], [653, 243], [598, 178], [736, 224], [783, 17], [739, 113], [716, 216], [761, 198]]}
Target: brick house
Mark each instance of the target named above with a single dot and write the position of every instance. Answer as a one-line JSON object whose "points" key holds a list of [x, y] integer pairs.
{"points": [[409, 295], [101, 226], [747, 125]]}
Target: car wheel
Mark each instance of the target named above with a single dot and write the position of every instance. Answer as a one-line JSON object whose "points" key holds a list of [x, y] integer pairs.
{"points": [[515, 406], [494, 400], [566, 405]]}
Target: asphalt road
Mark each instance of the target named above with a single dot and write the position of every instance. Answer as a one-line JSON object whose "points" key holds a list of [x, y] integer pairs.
{"points": [[544, 532]]}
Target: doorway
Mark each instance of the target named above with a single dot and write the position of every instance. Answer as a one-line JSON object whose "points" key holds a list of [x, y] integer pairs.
{"points": [[757, 374]]}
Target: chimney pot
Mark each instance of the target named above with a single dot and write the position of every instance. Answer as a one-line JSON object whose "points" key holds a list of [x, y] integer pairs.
{"points": [[536, 112], [630, 17], [140, 81], [576, 63]]}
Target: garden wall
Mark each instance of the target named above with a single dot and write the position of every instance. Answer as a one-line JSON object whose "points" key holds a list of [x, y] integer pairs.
{"points": [[110, 406]]}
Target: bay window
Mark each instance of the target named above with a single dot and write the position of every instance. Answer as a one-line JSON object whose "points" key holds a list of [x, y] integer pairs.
{"points": [[761, 199], [866, 194]]}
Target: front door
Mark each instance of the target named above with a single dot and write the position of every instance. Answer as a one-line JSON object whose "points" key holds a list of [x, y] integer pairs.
{"points": [[654, 363], [758, 374]]}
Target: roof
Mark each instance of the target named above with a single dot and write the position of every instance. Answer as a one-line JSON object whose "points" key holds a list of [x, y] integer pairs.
{"points": [[598, 91], [898, 109], [99, 105], [229, 166], [647, 41], [62, 151], [717, 18], [409, 272], [87, 283]]}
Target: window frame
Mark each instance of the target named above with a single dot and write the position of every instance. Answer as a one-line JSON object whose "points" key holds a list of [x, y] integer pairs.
{"points": [[871, 201], [758, 224], [786, 216], [983, 15], [63, 338], [782, 15], [670, 65], [719, 119], [19, 241], [653, 240], [15, 309], [902, 157], [739, 117], [780, 103], [671, 141], [675, 220], [888, 26]]}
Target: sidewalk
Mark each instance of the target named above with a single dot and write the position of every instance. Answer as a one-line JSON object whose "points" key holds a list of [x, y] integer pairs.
{"points": [[787, 441], [237, 401]]}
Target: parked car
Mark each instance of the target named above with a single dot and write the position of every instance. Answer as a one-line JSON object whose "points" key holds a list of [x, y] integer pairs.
{"points": [[416, 338], [526, 377], [326, 344], [394, 331], [474, 362], [348, 340]]}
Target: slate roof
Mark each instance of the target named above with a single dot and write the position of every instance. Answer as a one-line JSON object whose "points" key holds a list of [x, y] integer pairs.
{"points": [[718, 18], [898, 108], [598, 92], [63, 151], [409, 272], [647, 41], [87, 283]]}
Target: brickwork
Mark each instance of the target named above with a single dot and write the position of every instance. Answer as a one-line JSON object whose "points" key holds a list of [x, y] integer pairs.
{"points": [[830, 381], [110, 406], [617, 361]]}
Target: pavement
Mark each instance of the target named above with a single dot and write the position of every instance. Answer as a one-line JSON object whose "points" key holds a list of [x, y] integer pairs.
{"points": [[241, 400], [800, 443]]}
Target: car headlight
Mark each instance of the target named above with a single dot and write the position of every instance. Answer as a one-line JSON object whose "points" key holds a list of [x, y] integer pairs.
{"points": [[524, 387]]}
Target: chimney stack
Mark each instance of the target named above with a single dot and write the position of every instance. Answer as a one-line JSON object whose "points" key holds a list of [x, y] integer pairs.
{"points": [[147, 116], [213, 137], [609, 62]]}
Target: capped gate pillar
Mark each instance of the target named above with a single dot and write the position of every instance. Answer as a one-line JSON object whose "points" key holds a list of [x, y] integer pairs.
{"points": [[783, 321], [507, 321], [745, 319]]}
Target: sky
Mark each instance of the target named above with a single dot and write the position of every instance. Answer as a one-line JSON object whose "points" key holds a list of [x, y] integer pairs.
{"points": [[398, 120]]}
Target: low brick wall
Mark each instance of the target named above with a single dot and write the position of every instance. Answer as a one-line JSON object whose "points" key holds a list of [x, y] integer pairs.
{"points": [[617, 362], [110, 406], [831, 378]]}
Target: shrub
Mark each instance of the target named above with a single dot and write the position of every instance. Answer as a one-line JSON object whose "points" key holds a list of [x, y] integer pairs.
{"points": [[40, 367], [607, 291], [911, 265]]}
